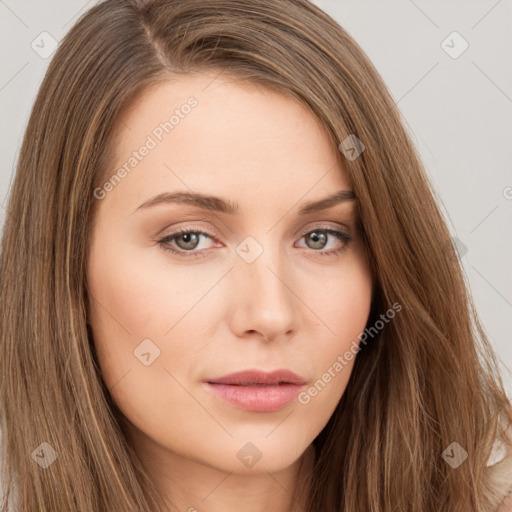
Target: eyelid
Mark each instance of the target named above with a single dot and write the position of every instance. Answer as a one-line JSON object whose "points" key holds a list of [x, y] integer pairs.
{"points": [[324, 225], [214, 233], [189, 226]]}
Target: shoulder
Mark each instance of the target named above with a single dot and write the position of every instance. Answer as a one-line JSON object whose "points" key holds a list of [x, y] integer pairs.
{"points": [[506, 504], [498, 473]]}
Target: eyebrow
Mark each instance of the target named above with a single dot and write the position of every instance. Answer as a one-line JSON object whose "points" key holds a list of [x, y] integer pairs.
{"points": [[217, 204]]}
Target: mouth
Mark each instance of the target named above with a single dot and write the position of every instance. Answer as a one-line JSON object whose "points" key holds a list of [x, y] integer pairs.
{"points": [[257, 391]]}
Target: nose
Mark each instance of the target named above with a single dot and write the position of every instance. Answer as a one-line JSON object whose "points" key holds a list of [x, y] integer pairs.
{"points": [[264, 303]]}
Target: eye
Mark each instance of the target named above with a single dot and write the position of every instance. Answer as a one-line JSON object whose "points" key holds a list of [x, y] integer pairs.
{"points": [[187, 240], [318, 238]]}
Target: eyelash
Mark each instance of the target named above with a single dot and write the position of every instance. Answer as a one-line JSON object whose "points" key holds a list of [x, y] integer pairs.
{"points": [[341, 235]]}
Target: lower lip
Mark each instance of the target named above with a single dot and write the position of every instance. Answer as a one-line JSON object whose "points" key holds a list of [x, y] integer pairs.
{"points": [[263, 398]]}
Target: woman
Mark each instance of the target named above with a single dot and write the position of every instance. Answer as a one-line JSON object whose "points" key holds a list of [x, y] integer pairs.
{"points": [[226, 282]]}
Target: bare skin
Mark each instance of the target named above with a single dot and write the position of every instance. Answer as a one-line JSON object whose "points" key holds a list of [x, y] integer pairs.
{"points": [[215, 314]]}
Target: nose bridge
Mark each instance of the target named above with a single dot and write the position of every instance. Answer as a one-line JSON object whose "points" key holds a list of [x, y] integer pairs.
{"points": [[266, 264], [265, 294]]}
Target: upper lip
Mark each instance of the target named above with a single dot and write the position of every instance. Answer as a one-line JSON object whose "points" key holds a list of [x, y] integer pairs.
{"points": [[254, 376]]}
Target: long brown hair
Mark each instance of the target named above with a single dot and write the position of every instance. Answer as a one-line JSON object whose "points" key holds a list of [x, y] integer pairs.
{"points": [[427, 380]]}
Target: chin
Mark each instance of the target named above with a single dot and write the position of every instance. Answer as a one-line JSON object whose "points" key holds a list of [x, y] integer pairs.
{"points": [[258, 455]]}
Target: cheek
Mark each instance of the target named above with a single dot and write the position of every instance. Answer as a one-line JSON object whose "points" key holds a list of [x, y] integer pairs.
{"points": [[147, 331], [139, 293], [343, 301], [131, 304], [344, 306]]}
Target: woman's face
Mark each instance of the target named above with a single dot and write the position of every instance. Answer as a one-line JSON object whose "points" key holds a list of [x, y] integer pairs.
{"points": [[264, 287]]}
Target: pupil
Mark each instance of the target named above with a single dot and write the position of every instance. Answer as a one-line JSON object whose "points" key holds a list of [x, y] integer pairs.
{"points": [[190, 240], [318, 238]]}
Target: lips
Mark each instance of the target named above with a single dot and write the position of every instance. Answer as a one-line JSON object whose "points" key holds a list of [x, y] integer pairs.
{"points": [[257, 391], [249, 377]]}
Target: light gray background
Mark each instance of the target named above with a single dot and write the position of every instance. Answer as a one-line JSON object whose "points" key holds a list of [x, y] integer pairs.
{"points": [[458, 111]]}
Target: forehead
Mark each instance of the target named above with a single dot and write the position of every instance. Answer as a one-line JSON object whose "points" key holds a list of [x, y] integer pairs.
{"points": [[224, 137]]}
